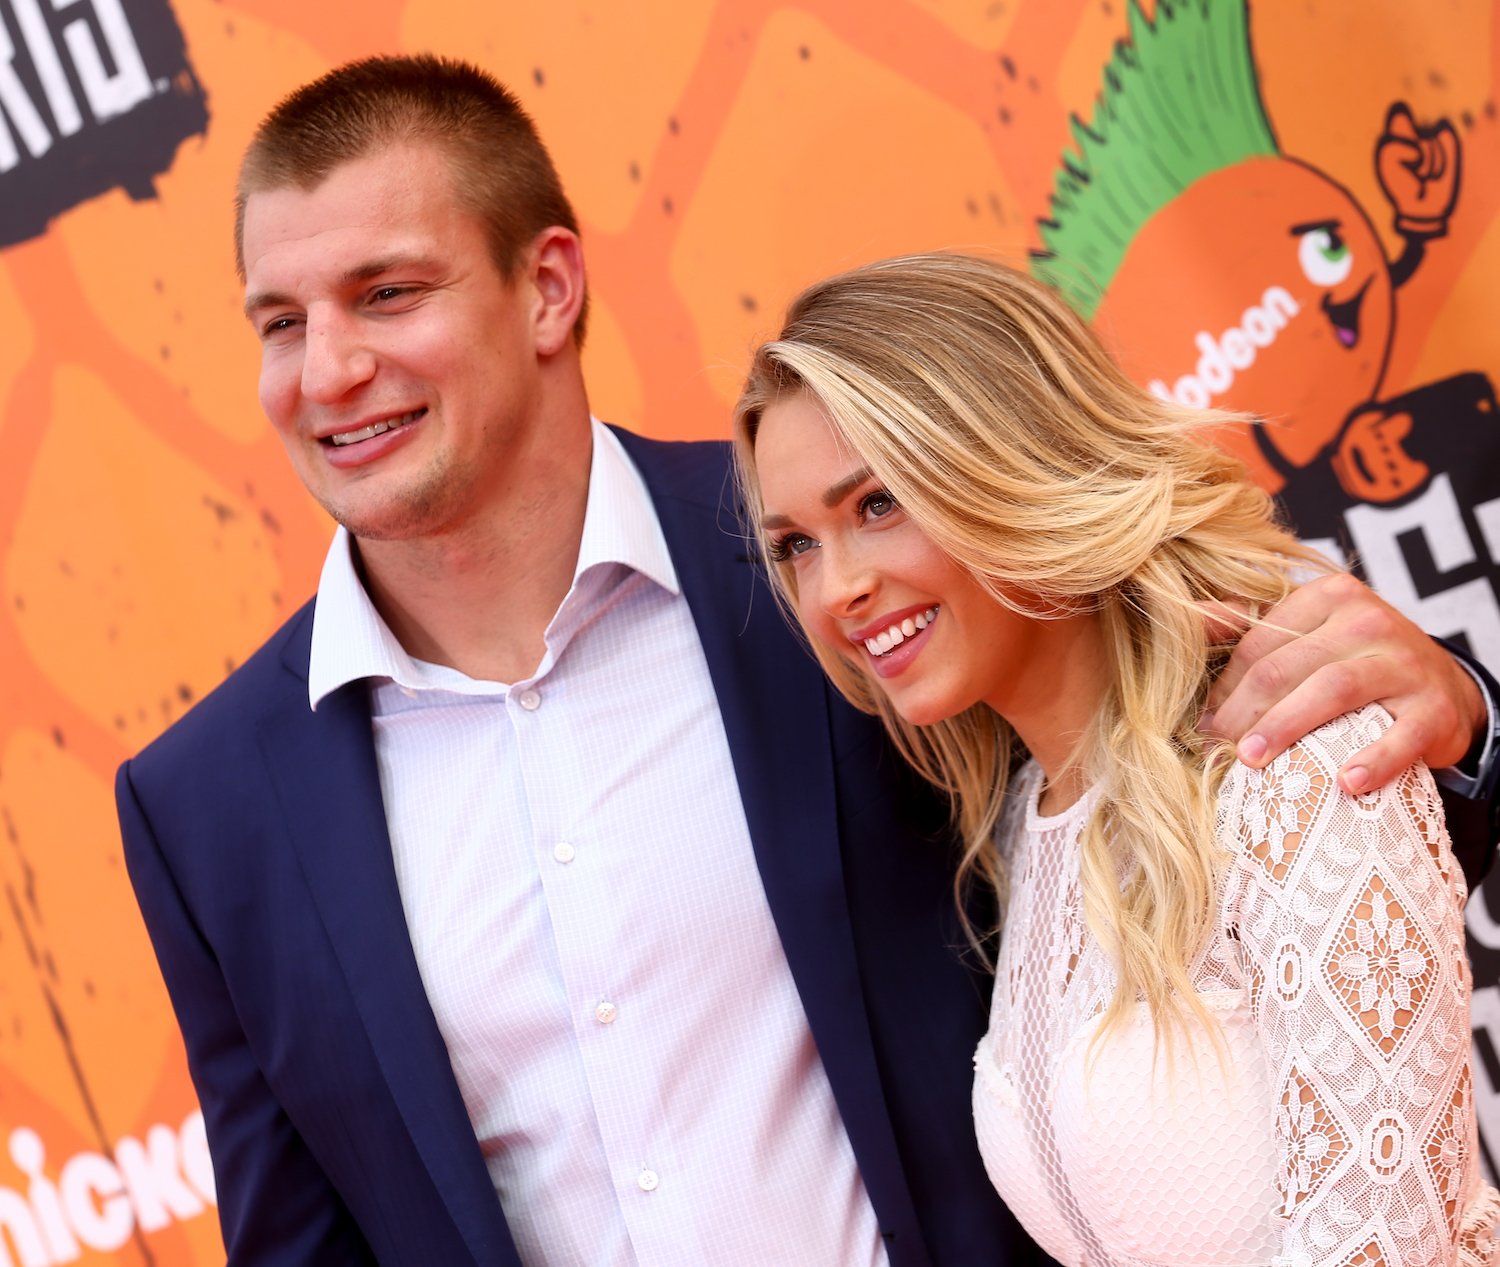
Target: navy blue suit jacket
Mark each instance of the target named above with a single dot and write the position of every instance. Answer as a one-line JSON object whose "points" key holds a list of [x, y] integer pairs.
{"points": [[256, 840]]}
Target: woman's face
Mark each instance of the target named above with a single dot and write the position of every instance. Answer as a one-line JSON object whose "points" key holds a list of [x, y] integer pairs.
{"points": [[870, 585]]}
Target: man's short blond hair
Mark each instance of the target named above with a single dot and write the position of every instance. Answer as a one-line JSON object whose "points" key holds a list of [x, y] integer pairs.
{"points": [[501, 171]]}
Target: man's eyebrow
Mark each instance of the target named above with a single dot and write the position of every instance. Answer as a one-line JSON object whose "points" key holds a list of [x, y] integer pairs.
{"points": [[349, 277], [266, 299]]}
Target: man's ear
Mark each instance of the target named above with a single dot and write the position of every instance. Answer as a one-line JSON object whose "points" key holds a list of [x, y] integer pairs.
{"points": [[557, 277]]}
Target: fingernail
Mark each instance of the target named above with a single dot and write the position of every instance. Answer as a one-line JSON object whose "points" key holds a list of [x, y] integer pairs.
{"points": [[1252, 748], [1355, 778]]}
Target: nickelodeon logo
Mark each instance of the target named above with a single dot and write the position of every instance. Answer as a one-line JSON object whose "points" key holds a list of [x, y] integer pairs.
{"points": [[1234, 350], [98, 1202]]}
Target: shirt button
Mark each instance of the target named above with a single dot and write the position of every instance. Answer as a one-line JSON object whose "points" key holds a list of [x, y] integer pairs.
{"points": [[604, 1014], [530, 699], [564, 852], [647, 1180]]}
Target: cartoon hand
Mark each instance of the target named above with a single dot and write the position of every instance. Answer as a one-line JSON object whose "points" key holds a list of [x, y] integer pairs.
{"points": [[1418, 169], [1370, 459]]}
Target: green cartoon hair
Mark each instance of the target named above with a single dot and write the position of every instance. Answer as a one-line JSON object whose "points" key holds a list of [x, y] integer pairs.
{"points": [[1180, 100]]}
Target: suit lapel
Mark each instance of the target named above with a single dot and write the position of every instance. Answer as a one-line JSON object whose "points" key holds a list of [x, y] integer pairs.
{"points": [[323, 765], [773, 700]]}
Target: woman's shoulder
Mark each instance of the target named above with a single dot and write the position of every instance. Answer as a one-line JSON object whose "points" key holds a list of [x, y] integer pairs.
{"points": [[1334, 742], [1308, 769], [1269, 817]]}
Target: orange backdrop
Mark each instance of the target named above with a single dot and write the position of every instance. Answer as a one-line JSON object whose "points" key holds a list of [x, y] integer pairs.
{"points": [[720, 155]]}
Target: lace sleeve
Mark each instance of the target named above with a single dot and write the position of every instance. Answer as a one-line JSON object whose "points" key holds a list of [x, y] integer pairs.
{"points": [[1350, 916]]}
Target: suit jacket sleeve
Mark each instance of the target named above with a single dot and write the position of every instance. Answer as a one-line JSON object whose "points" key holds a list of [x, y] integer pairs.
{"points": [[276, 1204], [1471, 801]]}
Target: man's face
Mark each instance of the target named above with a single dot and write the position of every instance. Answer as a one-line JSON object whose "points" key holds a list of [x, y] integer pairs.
{"points": [[397, 365]]}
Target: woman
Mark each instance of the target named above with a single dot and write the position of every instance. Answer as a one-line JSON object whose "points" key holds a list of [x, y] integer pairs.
{"points": [[1230, 1020]]}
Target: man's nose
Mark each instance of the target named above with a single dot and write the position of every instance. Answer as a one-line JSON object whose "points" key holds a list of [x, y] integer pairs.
{"points": [[335, 359]]}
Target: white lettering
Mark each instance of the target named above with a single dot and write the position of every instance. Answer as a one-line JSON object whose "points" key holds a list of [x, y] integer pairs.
{"points": [[30, 1156], [48, 68], [1488, 516], [1277, 303], [1470, 609], [17, 1219], [1238, 350], [1481, 924], [197, 1162], [153, 1180], [1234, 350], [108, 94], [1188, 391], [108, 1224], [1213, 370], [100, 1202], [1259, 327], [15, 103]]}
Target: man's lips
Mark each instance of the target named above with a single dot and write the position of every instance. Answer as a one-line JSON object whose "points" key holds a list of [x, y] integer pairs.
{"points": [[371, 441], [368, 431]]}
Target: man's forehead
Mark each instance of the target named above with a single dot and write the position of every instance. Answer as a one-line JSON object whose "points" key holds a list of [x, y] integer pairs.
{"points": [[388, 197], [409, 177], [408, 158]]}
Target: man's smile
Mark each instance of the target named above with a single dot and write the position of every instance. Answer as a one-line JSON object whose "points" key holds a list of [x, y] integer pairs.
{"points": [[370, 430]]}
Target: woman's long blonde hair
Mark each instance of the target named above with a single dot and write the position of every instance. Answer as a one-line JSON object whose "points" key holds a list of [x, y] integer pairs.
{"points": [[991, 413]]}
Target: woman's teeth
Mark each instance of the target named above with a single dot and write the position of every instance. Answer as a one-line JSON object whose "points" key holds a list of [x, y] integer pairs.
{"points": [[890, 639]]}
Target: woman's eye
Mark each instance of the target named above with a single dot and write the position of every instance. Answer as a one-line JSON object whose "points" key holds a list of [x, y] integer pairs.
{"points": [[876, 505], [790, 546]]}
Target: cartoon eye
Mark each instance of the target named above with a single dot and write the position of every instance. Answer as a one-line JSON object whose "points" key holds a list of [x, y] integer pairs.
{"points": [[1325, 257]]}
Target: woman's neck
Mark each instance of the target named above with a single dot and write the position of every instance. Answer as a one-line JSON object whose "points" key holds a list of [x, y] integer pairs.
{"points": [[1053, 700]]}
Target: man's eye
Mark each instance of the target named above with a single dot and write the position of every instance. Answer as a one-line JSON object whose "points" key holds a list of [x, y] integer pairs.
{"points": [[278, 325], [399, 294], [790, 546]]}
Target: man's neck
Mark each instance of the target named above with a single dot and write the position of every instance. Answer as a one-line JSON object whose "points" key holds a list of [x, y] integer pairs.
{"points": [[480, 599]]}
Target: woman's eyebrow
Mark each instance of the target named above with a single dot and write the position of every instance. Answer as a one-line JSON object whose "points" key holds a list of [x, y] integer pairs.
{"points": [[845, 486]]}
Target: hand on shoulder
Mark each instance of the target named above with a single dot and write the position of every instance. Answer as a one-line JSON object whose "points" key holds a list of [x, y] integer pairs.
{"points": [[1331, 647]]}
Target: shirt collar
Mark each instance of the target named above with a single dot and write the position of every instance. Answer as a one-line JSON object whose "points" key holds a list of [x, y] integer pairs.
{"points": [[350, 641]]}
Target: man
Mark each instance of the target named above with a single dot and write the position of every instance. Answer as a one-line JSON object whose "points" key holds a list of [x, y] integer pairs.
{"points": [[535, 862]]}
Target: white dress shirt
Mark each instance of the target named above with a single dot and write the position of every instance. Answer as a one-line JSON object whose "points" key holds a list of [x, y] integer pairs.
{"points": [[589, 922]]}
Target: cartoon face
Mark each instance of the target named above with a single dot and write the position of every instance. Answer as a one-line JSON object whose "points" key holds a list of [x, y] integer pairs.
{"points": [[1262, 288]]}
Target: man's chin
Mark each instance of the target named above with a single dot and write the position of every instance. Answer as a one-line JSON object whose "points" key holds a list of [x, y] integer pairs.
{"points": [[413, 514]]}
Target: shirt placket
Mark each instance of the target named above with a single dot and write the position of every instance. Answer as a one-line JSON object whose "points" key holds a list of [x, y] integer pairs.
{"points": [[576, 854]]}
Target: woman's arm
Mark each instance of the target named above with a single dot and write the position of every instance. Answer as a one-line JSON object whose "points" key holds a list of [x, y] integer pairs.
{"points": [[1352, 928], [1334, 646]]}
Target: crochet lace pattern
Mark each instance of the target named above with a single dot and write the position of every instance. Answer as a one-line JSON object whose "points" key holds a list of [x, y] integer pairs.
{"points": [[1332, 1125]]}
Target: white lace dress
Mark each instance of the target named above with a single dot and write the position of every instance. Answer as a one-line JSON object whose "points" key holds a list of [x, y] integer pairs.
{"points": [[1340, 1130]]}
